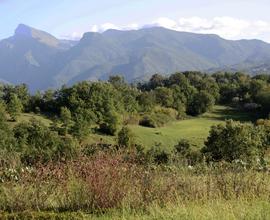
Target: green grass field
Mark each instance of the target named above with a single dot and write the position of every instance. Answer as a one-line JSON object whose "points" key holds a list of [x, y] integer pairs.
{"points": [[27, 117], [194, 129]]}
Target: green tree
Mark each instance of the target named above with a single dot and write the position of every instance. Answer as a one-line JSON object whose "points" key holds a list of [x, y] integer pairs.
{"points": [[83, 119], [146, 101], [6, 136], [117, 81], [111, 123], [14, 107], [125, 138], [66, 119], [164, 96], [263, 98], [201, 103], [156, 80]]}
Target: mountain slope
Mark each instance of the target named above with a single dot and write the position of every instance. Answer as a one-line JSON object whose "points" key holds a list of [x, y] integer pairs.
{"points": [[28, 57], [139, 54], [41, 60]]}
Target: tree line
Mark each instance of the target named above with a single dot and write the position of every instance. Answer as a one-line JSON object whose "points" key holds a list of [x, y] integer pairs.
{"points": [[107, 107]]}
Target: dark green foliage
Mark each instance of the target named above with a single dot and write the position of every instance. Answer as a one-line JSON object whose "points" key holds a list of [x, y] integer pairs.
{"points": [[22, 93], [111, 123], [234, 141], [201, 103], [146, 101], [48, 101], [164, 96], [117, 81], [148, 121], [183, 147], [14, 107], [184, 153], [66, 119], [105, 106], [156, 80], [81, 126], [6, 136], [91, 149], [263, 98], [125, 138], [157, 155], [37, 143], [158, 117]]}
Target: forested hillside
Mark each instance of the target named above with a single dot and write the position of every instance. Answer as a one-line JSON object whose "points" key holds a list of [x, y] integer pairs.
{"points": [[42, 61]]}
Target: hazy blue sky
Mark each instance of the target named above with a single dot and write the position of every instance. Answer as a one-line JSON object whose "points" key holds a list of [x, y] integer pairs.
{"points": [[232, 19]]}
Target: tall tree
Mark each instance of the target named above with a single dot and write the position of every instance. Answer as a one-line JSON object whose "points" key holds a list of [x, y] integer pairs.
{"points": [[14, 107], [66, 119]]}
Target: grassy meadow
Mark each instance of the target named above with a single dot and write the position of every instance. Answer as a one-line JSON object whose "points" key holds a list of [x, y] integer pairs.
{"points": [[195, 129], [108, 186]]}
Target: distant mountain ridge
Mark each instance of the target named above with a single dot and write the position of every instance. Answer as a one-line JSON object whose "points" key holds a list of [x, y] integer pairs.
{"points": [[41, 60]]}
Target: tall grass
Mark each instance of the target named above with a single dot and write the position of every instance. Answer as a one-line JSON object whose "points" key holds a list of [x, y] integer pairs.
{"points": [[110, 183]]}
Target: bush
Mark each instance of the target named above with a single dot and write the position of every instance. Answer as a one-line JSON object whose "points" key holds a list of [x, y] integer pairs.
{"points": [[194, 157], [37, 143], [184, 153], [182, 147], [159, 117], [111, 123], [157, 155], [232, 141], [14, 107], [201, 103], [125, 138], [7, 140], [91, 149], [148, 121]]}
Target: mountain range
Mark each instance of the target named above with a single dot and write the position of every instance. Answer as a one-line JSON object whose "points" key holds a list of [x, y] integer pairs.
{"points": [[42, 61]]}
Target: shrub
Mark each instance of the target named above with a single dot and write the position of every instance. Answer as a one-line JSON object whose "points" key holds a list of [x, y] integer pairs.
{"points": [[232, 141], [14, 107], [66, 119], [148, 121], [194, 157], [37, 143], [201, 103], [7, 140], [182, 147], [157, 155], [159, 117], [125, 138], [92, 149], [111, 123]]}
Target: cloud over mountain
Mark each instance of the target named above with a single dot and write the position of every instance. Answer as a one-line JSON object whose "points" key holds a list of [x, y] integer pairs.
{"points": [[227, 27]]}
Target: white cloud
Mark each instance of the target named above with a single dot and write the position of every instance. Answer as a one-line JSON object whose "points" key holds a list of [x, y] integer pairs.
{"points": [[73, 36], [165, 22], [227, 27]]}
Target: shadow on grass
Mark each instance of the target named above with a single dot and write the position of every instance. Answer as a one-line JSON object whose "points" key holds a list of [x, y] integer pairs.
{"points": [[228, 113]]}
